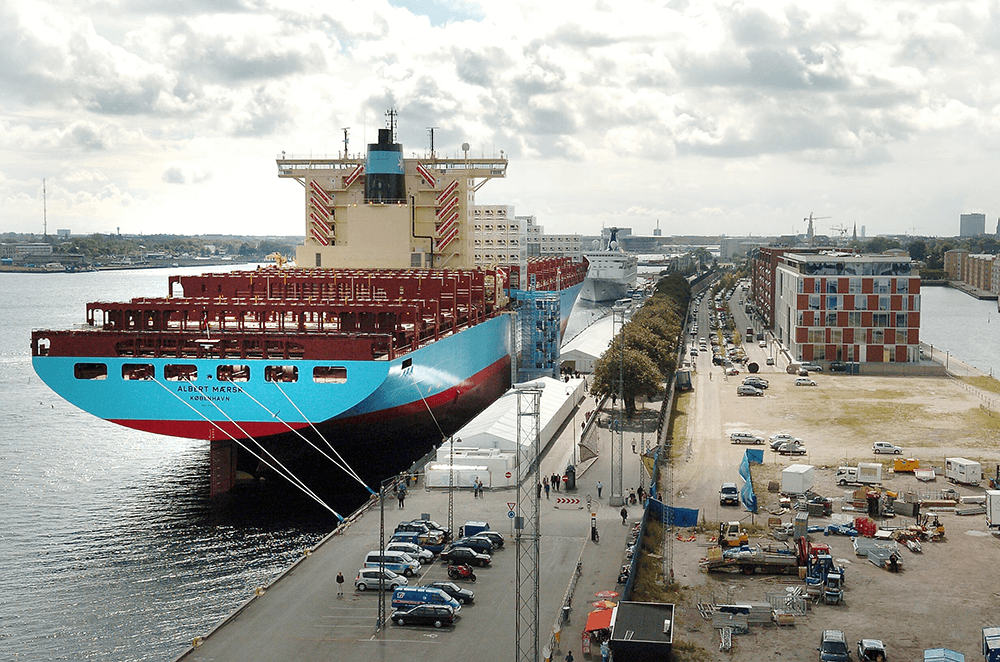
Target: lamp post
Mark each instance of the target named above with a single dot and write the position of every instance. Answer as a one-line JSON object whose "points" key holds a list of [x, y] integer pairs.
{"points": [[570, 391], [381, 546]]}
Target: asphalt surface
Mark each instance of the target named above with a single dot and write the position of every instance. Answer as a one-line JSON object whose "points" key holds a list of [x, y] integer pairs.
{"points": [[301, 617]]}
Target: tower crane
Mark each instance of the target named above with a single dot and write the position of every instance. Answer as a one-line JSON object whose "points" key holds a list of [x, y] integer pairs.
{"points": [[810, 233]]}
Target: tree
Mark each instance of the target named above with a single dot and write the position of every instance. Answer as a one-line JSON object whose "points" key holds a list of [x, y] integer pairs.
{"points": [[639, 375]]}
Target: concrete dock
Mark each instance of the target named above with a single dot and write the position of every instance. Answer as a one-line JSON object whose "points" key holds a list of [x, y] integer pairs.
{"points": [[301, 617]]}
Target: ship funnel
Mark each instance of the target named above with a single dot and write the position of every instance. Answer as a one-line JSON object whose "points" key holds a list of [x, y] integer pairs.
{"points": [[384, 174]]}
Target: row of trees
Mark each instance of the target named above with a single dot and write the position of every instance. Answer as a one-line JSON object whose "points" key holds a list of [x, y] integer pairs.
{"points": [[99, 245], [644, 354]]}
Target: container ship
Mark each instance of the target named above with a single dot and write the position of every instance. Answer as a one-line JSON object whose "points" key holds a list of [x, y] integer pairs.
{"points": [[612, 273], [384, 338]]}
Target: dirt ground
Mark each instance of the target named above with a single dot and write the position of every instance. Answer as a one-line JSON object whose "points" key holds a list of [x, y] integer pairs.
{"points": [[943, 597]]}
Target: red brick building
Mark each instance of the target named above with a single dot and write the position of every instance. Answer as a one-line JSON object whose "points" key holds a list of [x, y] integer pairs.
{"points": [[837, 306]]}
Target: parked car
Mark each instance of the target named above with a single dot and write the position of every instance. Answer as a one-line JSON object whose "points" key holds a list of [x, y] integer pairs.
{"points": [[833, 647], [804, 381], [758, 382], [745, 438], [414, 550], [770, 360], [436, 615], [779, 439], [478, 543], [886, 447], [743, 389], [453, 554], [839, 366], [495, 537], [733, 371], [762, 343], [812, 367], [368, 578], [434, 526], [791, 448], [463, 595], [729, 493], [870, 650]]}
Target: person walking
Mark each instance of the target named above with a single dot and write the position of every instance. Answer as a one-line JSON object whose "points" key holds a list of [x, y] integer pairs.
{"points": [[624, 514], [401, 496], [600, 486], [569, 656], [340, 583], [605, 652], [545, 483]]}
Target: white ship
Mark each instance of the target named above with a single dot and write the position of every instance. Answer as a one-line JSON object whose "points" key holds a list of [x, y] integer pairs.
{"points": [[612, 272]]}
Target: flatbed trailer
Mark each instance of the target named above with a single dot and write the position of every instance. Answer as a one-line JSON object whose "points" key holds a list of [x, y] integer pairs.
{"points": [[750, 560]]}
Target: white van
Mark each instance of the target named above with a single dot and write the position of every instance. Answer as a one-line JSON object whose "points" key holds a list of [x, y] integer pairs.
{"points": [[399, 562]]}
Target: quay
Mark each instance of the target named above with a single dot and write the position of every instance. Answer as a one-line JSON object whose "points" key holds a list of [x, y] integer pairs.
{"points": [[299, 616]]}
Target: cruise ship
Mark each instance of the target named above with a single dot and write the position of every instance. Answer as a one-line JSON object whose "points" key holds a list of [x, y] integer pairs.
{"points": [[384, 338], [612, 272]]}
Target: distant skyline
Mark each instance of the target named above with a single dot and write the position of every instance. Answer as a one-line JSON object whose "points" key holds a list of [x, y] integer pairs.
{"points": [[713, 118]]}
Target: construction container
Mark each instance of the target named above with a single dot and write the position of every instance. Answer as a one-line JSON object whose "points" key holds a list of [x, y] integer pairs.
{"points": [[960, 470], [899, 465], [798, 478]]}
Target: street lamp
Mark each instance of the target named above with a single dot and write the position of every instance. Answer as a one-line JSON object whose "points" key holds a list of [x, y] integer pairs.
{"points": [[570, 391], [381, 547]]}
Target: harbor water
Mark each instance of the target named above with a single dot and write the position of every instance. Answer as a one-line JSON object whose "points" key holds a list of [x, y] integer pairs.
{"points": [[111, 547]]}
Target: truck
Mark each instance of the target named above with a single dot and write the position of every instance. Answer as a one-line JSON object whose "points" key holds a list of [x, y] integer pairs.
{"points": [[866, 473], [751, 560], [960, 470], [993, 509]]}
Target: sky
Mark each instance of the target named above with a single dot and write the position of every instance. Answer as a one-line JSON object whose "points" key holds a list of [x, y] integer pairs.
{"points": [[705, 117]]}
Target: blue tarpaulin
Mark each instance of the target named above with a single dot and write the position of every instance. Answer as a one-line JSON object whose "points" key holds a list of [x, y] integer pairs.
{"points": [[747, 497], [682, 517]]}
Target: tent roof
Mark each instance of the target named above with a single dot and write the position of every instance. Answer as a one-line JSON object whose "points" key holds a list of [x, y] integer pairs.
{"points": [[599, 620], [592, 341]]}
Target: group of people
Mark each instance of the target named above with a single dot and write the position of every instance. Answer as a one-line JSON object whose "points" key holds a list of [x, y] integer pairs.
{"points": [[549, 483], [477, 488]]}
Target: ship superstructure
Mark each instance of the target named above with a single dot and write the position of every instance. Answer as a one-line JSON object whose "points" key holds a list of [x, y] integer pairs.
{"points": [[612, 272]]}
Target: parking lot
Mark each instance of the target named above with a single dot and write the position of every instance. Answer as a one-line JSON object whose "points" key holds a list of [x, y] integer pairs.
{"points": [[944, 596]]}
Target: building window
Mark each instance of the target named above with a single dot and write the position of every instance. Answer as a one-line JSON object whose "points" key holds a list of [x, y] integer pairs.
{"points": [[319, 259], [901, 320], [833, 303], [881, 286], [861, 302], [831, 285], [880, 320], [814, 302], [883, 303], [816, 336], [816, 286], [836, 336], [854, 286], [831, 319], [854, 319], [903, 286], [819, 352], [878, 336]]}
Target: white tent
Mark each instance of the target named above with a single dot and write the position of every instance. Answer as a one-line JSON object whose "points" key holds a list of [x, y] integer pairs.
{"points": [[496, 428], [583, 351]]}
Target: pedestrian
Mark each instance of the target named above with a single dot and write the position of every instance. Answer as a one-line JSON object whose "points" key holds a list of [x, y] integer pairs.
{"points": [[557, 480], [600, 487], [569, 656], [475, 487], [539, 489], [893, 563], [624, 514], [340, 583], [642, 495], [605, 652], [401, 495], [546, 485]]}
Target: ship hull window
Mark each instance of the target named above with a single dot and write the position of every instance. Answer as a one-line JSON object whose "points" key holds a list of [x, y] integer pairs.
{"points": [[325, 374], [281, 373], [137, 371], [90, 371], [180, 373]]}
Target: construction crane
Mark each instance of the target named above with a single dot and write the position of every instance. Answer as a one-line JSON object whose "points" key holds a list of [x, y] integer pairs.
{"points": [[810, 233]]}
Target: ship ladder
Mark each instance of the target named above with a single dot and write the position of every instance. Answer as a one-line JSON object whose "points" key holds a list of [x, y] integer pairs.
{"points": [[283, 471], [338, 462]]}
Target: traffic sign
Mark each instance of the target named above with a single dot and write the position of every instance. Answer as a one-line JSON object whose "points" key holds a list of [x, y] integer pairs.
{"points": [[510, 515], [508, 474], [510, 506]]}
